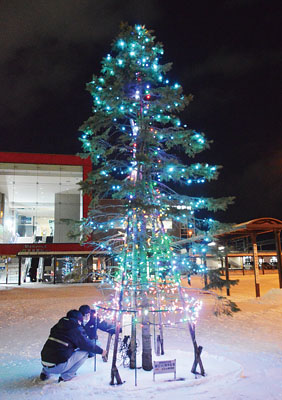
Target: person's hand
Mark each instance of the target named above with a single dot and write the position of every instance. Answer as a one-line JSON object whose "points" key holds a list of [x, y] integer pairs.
{"points": [[104, 353]]}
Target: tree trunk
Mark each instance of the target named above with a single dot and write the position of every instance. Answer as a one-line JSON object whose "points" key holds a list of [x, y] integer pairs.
{"points": [[146, 336]]}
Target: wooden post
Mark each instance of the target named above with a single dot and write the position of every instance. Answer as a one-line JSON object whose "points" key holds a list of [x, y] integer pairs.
{"points": [[55, 270], [7, 272], [279, 260], [197, 352], [20, 271], [197, 349], [222, 270], [105, 358], [118, 319], [256, 267], [205, 272], [227, 275], [114, 371]]}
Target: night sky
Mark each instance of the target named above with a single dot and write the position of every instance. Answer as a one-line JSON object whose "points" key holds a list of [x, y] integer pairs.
{"points": [[227, 53]]}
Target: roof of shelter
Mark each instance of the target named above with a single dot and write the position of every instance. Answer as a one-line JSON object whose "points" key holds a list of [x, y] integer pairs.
{"points": [[253, 227]]}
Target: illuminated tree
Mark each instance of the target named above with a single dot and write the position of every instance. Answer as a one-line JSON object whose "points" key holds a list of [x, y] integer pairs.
{"points": [[136, 142]]}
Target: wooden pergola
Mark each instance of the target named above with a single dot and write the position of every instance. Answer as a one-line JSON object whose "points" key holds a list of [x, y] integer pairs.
{"points": [[252, 229]]}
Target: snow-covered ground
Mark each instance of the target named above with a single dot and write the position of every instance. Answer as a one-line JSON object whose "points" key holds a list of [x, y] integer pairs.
{"points": [[242, 354]]}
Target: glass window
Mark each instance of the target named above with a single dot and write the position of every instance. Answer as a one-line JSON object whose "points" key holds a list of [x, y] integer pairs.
{"points": [[33, 200]]}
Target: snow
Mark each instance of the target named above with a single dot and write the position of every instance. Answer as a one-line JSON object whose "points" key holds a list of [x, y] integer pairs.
{"points": [[242, 354]]}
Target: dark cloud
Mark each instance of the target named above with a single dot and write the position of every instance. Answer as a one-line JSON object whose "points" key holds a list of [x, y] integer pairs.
{"points": [[235, 64], [27, 23], [42, 42], [257, 187], [240, 3]]}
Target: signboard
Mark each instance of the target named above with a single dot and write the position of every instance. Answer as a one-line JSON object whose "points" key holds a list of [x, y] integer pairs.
{"points": [[164, 367], [34, 247], [126, 324], [25, 220]]}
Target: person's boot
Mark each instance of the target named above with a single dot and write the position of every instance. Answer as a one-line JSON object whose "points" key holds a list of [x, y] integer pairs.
{"points": [[65, 380], [43, 377]]}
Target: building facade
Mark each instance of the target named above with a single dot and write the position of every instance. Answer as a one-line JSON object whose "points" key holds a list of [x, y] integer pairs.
{"points": [[37, 193]]}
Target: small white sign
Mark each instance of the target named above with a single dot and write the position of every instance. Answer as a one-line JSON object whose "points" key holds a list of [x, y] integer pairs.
{"points": [[126, 324], [164, 367]]}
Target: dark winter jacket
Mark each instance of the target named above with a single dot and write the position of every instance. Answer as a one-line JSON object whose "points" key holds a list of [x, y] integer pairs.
{"points": [[94, 323], [65, 337]]}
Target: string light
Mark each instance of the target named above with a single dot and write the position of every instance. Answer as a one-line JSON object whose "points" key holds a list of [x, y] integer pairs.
{"points": [[131, 138]]}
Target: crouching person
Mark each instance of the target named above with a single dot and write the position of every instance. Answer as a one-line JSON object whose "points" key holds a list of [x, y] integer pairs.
{"points": [[92, 322], [67, 348]]}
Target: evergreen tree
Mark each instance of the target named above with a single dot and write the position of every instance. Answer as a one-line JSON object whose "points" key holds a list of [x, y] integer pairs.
{"points": [[137, 142]]}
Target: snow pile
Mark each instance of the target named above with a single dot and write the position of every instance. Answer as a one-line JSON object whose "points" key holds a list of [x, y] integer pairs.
{"points": [[273, 296]]}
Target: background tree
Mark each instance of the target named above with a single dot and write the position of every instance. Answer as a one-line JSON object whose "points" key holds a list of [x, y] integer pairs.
{"points": [[141, 154]]}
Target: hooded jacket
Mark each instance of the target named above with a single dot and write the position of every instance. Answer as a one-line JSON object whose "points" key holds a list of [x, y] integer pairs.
{"points": [[94, 323], [65, 337]]}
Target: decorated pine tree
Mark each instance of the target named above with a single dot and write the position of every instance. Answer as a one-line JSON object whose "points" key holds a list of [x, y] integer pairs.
{"points": [[141, 188]]}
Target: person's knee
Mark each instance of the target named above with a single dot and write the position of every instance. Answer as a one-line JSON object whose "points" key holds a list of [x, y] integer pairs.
{"points": [[82, 354]]}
